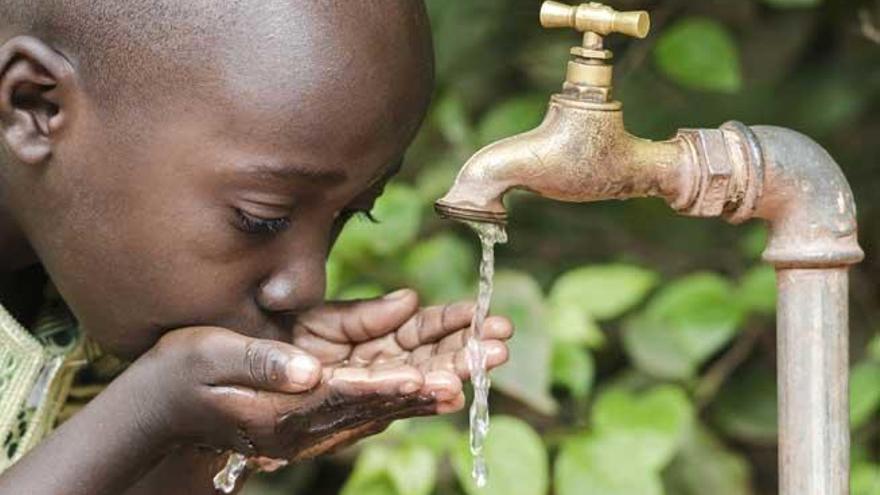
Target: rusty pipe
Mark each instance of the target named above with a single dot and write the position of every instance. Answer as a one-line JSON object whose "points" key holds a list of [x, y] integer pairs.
{"points": [[813, 240], [812, 373]]}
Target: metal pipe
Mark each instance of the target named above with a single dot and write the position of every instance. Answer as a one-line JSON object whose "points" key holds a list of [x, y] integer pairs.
{"points": [[813, 387], [813, 240]]}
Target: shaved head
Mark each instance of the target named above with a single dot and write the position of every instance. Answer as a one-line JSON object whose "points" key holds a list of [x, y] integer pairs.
{"points": [[127, 49]]}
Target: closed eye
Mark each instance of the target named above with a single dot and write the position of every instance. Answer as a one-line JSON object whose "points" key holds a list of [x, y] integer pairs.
{"points": [[252, 224]]}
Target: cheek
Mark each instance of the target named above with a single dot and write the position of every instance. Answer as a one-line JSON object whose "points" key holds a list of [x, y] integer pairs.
{"points": [[133, 261]]}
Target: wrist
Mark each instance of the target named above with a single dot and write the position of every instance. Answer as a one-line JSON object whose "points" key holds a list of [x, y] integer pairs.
{"points": [[133, 400]]}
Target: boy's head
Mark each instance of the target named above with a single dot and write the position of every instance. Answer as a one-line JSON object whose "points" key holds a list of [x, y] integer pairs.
{"points": [[179, 162]]}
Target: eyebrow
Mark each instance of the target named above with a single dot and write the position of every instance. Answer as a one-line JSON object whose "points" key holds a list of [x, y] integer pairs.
{"points": [[286, 172]]}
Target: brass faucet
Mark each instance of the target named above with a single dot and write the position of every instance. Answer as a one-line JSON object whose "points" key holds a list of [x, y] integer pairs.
{"points": [[582, 152]]}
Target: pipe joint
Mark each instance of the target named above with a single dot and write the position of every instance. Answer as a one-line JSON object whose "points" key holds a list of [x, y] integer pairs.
{"points": [[781, 176], [729, 173]]}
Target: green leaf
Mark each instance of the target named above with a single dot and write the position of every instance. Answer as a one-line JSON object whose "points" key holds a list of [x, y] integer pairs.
{"points": [[437, 177], [705, 465], [515, 457], [699, 53], [573, 369], [450, 116], [841, 99], [746, 406], [635, 436], [526, 376], [384, 470], [516, 115], [864, 392], [333, 275], [399, 212], [683, 325], [369, 475], [458, 28], [753, 242], [757, 290], [653, 423], [874, 348], [792, 4], [413, 470], [379, 485], [604, 291], [441, 268], [599, 465], [571, 325], [865, 479], [436, 434]]}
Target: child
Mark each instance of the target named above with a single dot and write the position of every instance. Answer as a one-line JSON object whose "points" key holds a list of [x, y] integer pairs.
{"points": [[176, 171]]}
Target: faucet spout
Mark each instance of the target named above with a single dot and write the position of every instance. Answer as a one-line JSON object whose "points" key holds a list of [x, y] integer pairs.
{"points": [[580, 152]]}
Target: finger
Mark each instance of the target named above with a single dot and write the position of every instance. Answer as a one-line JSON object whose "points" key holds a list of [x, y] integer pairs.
{"points": [[494, 328], [266, 464], [454, 405], [223, 357], [400, 379], [456, 362], [358, 321], [442, 385], [433, 323]]}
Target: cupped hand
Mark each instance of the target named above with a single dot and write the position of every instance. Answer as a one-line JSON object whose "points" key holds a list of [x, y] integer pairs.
{"points": [[392, 342], [349, 370]]}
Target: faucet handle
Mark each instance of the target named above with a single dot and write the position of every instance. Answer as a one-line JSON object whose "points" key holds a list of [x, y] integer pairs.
{"points": [[595, 18]]}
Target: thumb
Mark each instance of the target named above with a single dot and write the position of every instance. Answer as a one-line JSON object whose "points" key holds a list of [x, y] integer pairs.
{"points": [[361, 320], [261, 364]]}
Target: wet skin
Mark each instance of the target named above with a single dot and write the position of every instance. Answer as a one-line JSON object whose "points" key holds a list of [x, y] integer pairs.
{"points": [[187, 228]]}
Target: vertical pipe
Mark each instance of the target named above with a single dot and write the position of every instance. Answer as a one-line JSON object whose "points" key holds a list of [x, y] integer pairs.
{"points": [[813, 381]]}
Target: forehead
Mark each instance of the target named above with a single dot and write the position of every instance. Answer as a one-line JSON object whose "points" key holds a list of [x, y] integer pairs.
{"points": [[345, 86]]}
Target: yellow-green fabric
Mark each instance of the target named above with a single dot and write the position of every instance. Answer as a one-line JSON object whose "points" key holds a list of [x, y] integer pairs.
{"points": [[46, 375]]}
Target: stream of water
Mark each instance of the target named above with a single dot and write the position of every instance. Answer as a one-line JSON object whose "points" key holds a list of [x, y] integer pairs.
{"points": [[490, 234]]}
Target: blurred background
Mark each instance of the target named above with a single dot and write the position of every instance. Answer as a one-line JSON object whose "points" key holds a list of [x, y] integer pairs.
{"points": [[644, 356]]}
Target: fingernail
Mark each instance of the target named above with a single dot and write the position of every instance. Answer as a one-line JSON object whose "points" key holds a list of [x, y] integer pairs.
{"points": [[409, 387], [398, 294], [301, 370]]}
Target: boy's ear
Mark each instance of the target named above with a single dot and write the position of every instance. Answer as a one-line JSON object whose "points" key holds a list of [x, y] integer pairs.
{"points": [[36, 93]]}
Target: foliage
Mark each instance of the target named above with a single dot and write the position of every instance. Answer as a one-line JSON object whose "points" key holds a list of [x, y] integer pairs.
{"points": [[643, 361], [699, 53]]}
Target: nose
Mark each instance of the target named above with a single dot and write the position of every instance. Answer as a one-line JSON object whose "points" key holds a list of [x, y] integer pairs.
{"points": [[294, 286]]}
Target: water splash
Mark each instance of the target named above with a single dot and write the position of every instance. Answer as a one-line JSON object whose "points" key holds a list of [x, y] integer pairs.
{"points": [[490, 234], [226, 479]]}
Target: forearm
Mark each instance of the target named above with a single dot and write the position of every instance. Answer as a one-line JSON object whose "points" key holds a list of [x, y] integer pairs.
{"points": [[103, 449]]}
